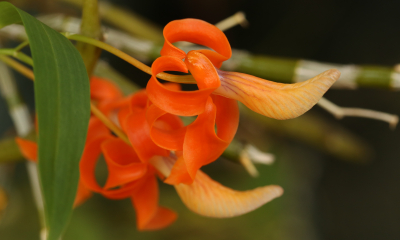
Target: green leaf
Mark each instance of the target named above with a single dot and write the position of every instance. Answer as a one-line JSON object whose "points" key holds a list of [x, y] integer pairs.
{"points": [[62, 100]]}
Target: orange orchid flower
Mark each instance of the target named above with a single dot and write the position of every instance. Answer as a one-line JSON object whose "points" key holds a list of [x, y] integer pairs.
{"points": [[133, 169], [198, 141], [152, 131], [161, 145]]}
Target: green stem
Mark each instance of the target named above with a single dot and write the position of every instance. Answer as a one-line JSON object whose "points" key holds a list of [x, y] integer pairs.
{"points": [[129, 59], [19, 55], [22, 45], [90, 27], [127, 21]]}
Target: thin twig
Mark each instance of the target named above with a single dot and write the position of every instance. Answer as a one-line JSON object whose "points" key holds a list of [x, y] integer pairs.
{"points": [[129, 59], [341, 112], [17, 54], [18, 67], [246, 162], [21, 46], [235, 19], [28, 73], [109, 123]]}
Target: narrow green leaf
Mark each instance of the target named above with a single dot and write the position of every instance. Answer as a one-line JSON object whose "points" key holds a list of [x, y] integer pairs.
{"points": [[62, 100]]}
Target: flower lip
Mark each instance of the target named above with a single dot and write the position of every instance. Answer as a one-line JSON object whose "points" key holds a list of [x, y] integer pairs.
{"points": [[275, 100]]}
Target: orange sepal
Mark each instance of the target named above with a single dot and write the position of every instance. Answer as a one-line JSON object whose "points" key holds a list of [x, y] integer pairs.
{"points": [[138, 131], [82, 194], [96, 130], [202, 145], [182, 103], [28, 148], [122, 192], [106, 107], [198, 32], [87, 168], [145, 199], [202, 70], [168, 132], [179, 173], [123, 164], [163, 218], [88, 162], [102, 89], [275, 100], [209, 198]]}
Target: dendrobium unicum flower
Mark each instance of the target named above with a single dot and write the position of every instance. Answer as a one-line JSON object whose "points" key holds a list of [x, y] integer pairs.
{"points": [[215, 101], [158, 144]]}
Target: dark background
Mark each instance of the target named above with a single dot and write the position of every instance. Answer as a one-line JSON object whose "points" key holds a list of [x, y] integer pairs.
{"points": [[337, 199], [351, 201]]}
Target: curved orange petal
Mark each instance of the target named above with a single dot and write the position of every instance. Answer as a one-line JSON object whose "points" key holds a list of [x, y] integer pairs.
{"points": [[169, 135], [113, 105], [209, 198], [227, 117], [138, 131], [202, 145], [139, 99], [124, 191], [179, 173], [198, 32], [202, 70], [163, 218], [82, 194], [28, 148], [123, 164], [102, 89], [183, 103], [88, 162], [87, 168], [96, 129], [145, 200], [275, 100]]}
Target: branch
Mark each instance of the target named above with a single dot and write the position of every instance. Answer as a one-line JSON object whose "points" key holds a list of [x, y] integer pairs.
{"points": [[341, 112], [273, 68], [90, 27]]}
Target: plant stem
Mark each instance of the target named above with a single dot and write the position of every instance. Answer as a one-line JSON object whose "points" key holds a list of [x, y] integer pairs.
{"points": [[90, 27], [131, 60], [109, 123], [28, 73], [21, 46], [18, 67], [15, 53], [286, 70], [125, 20]]}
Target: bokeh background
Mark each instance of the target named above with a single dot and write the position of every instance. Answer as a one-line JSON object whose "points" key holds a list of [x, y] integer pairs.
{"points": [[326, 197]]}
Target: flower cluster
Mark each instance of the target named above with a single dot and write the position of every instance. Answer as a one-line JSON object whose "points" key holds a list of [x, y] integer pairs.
{"points": [[160, 145]]}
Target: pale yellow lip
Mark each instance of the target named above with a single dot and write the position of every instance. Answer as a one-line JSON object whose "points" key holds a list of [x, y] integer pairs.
{"points": [[275, 100]]}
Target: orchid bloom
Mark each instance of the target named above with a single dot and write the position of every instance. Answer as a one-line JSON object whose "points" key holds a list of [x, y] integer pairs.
{"points": [[160, 145], [215, 101]]}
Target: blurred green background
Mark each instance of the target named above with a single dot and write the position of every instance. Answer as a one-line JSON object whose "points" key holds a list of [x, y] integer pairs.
{"points": [[325, 197]]}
